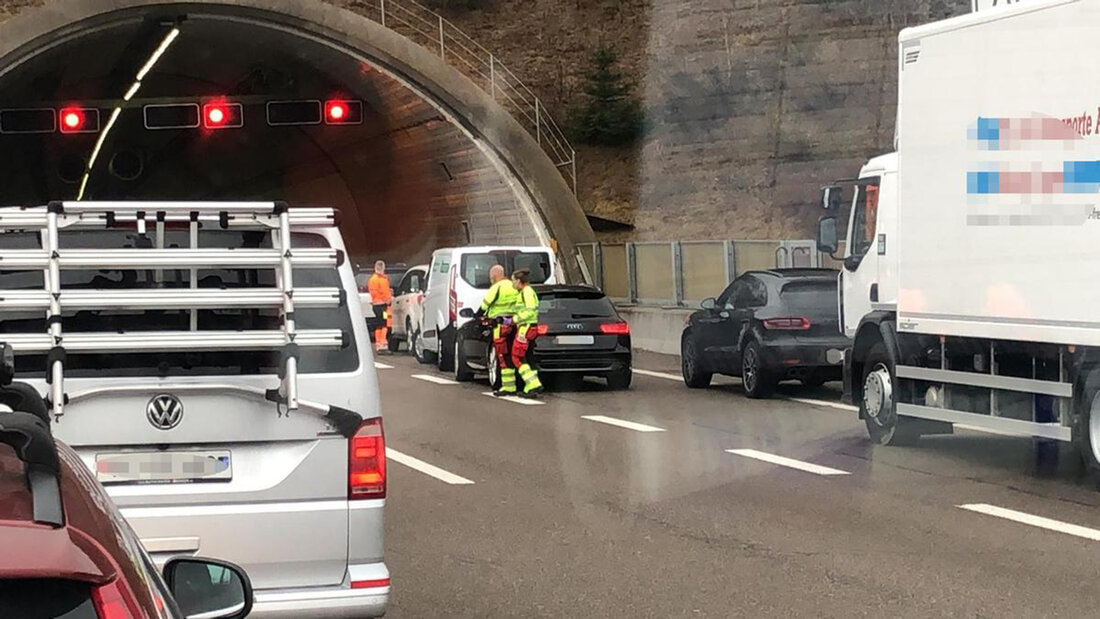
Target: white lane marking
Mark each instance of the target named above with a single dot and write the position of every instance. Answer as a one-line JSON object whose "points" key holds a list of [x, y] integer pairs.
{"points": [[842, 406], [427, 469], [664, 375], [816, 469], [1035, 521], [382, 366], [439, 380], [515, 399], [630, 425]]}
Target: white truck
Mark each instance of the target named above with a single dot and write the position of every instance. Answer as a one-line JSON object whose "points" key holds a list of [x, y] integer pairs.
{"points": [[969, 280]]}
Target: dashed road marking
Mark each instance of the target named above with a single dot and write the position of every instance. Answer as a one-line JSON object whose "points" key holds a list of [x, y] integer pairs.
{"points": [[808, 467], [664, 375], [842, 406], [427, 469], [630, 425], [382, 366], [515, 399], [439, 380], [1035, 521]]}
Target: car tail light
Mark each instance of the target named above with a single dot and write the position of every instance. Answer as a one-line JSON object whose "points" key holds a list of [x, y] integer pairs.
{"points": [[542, 329], [370, 584], [615, 328], [114, 601], [796, 323], [367, 462]]}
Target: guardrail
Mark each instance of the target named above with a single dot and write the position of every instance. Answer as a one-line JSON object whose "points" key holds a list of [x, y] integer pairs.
{"points": [[433, 31], [682, 273]]}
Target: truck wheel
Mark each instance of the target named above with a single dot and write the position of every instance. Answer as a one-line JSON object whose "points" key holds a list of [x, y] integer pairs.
{"points": [[445, 357], [462, 370], [1086, 434], [691, 366], [757, 380], [877, 405]]}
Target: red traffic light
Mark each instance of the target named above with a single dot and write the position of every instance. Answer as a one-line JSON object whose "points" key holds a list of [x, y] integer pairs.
{"points": [[343, 112], [222, 115], [78, 120]]}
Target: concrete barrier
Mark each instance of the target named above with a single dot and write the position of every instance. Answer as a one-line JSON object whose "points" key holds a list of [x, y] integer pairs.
{"points": [[656, 329]]}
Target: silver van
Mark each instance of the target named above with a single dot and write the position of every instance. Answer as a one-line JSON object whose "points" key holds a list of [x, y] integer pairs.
{"points": [[192, 446]]}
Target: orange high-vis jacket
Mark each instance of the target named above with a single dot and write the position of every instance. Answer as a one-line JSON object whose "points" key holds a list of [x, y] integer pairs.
{"points": [[379, 289]]}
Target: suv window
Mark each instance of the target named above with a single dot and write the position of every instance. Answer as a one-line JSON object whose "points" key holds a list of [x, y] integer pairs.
{"points": [[312, 360], [753, 293], [577, 304]]}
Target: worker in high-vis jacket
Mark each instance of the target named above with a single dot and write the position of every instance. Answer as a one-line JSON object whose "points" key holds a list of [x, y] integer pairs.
{"points": [[499, 305], [526, 317], [380, 298]]}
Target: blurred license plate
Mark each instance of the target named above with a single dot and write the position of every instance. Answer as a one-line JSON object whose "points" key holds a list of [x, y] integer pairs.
{"points": [[163, 467], [575, 339]]}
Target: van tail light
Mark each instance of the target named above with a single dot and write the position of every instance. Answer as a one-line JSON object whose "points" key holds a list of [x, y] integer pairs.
{"points": [[795, 323], [542, 329], [615, 328], [114, 601], [367, 462], [370, 584], [452, 298]]}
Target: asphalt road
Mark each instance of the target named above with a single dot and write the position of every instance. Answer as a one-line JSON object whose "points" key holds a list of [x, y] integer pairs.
{"points": [[538, 511]]}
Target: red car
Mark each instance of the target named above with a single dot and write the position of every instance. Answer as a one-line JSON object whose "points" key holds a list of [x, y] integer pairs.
{"points": [[66, 551]]}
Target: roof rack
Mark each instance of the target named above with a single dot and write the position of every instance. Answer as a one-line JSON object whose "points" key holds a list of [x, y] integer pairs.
{"points": [[194, 216]]}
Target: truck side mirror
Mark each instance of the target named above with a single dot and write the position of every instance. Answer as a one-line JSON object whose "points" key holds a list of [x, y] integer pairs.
{"points": [[831, 197], [827, 241]]}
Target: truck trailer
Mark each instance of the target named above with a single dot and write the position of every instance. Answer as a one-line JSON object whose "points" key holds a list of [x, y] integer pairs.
{"points": [[971, 253]]}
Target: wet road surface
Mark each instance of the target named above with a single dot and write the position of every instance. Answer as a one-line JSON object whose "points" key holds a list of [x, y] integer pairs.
{"points": [[663, 501]]}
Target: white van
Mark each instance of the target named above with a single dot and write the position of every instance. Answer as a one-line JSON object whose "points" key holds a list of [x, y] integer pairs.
{"points": [[458, 278]]}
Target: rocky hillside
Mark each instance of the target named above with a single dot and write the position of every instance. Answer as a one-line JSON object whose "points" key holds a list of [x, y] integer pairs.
{"points": [[750, 104]]}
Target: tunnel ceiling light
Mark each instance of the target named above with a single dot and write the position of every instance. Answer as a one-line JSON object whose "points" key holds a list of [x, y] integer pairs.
{"points": [[222, 115], [78, 120], [343, 112]]}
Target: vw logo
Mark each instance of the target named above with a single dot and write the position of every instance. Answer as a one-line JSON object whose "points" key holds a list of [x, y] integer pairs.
{"points": [[576, 326], [164, 411]]}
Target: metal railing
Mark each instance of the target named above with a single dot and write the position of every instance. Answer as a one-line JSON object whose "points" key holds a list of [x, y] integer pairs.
{"points": [[682, 273], [431, 30]]}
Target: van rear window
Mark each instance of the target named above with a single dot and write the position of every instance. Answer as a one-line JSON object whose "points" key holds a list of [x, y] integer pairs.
{"points": [[312, 360], [474, 268]]}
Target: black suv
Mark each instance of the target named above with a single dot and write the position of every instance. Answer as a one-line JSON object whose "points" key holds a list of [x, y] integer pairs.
{"points": [[765, 327]]}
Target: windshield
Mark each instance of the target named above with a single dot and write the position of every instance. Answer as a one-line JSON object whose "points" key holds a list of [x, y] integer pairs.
{"points": [[818, 319]]}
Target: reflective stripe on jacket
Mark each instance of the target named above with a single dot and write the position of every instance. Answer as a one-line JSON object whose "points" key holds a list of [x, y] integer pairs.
{"points": [[501, 299], [527, 309]]}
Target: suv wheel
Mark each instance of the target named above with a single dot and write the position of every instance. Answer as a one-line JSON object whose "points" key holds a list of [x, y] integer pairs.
{"points": [[620, 379], [691, 366], [493, 364], [757, 380], [462, 370]]}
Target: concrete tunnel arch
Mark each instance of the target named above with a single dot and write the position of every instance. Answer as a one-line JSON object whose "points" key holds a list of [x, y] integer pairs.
{"points": [[513, 193]]}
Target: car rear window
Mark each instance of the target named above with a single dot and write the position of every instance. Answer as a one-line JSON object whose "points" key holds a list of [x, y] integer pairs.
{"points": [[474, 268], [810, 297], [312, 360], [50, 598], [576, 304]]}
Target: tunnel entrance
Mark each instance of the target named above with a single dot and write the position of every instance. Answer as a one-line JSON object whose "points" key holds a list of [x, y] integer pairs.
{"points": [[213, 102]]}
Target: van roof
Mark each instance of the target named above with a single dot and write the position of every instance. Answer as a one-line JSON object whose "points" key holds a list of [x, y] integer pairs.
{"points": [[489, 248]]}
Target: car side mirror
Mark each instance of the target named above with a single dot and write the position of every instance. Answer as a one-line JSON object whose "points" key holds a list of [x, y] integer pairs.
{"points": [[831, 197], [208, 588], [708, 304], [466, 312], [827, 238]]}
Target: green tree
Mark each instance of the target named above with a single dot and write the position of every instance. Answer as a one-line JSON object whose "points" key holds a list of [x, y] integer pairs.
{"points": [[611, 115]]}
